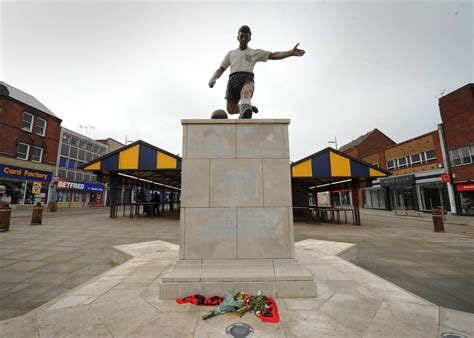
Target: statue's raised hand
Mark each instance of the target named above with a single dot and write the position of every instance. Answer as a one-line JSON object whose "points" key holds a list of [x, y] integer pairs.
{"points": [[297, 52]]}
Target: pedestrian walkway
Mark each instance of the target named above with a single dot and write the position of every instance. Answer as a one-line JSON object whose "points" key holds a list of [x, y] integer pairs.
{"points": [[351, 302], [404, 250], [419, 216]]}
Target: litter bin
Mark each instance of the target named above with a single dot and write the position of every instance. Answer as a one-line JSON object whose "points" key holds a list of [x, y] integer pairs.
{"points": [[5, 213], [37, 215], [53, 206], [438, 224]]}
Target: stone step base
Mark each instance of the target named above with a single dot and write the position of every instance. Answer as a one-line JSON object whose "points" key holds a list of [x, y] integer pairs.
{"points": [[275, 277]]}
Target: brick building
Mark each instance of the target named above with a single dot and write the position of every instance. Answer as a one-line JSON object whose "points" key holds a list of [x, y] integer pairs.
{"points": [[417, 166], [29, 140], [370, 143], [457, 114]]}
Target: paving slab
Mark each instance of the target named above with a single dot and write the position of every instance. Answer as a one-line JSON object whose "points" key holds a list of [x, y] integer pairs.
{"points": [[365, 305]]}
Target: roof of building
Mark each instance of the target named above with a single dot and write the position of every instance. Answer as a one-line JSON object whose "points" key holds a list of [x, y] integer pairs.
{"points": [[356, 142], [140, 159], [26, 98], [329, 165], [105, 140]]}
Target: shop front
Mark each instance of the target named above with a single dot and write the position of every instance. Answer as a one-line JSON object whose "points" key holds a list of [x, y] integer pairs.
{"points": [[79, 194], [402, 192], [466, 194], [22, 186]]}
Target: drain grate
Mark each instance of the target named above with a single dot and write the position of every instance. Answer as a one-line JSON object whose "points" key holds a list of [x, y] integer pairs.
{"points": [[239, 330], [452, 335]]}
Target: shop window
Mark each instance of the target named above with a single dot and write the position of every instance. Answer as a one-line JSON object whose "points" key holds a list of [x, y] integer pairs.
{"points": [[72, 164], [65, 150], [430, 155], [22, 151], [73, 152], [62, 162], [37, 154], [391, 164], [40, 126], [415, 159], [455, 157], [27, 122], [465, 155]]}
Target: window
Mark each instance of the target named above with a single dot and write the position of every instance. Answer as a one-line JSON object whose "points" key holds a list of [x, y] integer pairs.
{"points": [[430, 155], [455, 157], [415, 159], [72, 164], [83, 144], [27, 122], [71, 175], [62, 162], [62, 173], [391, 164], [79, 176], [22, 151], [82, 154], [37, 154], [402, 162], [65, 150], [40, 126], [89, 146], [88, 156], [73, 152], [465, 155]]}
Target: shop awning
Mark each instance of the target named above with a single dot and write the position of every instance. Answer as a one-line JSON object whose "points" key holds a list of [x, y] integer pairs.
{"points": [[139, 160]]}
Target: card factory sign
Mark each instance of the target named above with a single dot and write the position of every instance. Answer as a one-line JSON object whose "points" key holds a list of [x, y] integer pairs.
{"points": [[26, 174]]}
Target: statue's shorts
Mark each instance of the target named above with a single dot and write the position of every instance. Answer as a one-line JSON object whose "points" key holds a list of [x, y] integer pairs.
{"points": [[236, 81]]}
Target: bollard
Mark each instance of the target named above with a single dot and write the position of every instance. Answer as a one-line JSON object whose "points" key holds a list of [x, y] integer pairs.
{"points": [[53, 207], [5, 214], [437, 214], [37, 215]]}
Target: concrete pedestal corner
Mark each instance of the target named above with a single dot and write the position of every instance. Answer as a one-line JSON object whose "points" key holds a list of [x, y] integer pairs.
{"points": [[236, 225]]}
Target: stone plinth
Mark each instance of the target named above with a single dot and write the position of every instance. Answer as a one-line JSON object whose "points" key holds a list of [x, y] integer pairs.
{"points": [[236, 225]]}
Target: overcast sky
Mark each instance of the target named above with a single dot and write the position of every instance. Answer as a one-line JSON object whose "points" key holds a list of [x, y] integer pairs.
{"points": [[138, 68]]}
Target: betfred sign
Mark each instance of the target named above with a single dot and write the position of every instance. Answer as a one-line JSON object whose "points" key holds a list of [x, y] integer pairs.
{"points": [[91, 187], [70, 185], [465, 187], [445, 178]]}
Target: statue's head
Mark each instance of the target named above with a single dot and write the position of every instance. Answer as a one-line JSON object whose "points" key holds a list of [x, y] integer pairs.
{"points": [[244, 35]]}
